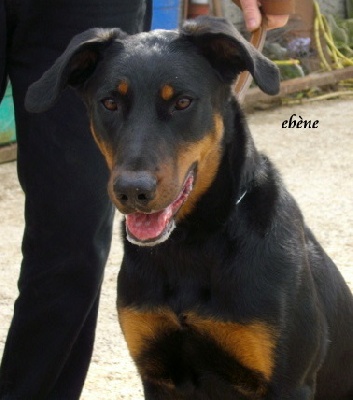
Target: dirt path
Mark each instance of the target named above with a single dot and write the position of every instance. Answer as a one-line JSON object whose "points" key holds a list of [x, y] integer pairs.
{"points": [[316, 164]]}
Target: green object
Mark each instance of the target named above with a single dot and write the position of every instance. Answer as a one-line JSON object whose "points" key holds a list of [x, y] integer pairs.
{"points": [[349, 6], [290, 71], [339, 35], [342, 34], [347, 24], [7, 119]]}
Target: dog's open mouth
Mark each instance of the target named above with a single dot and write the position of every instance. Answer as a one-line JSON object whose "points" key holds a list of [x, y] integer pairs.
{"points": [[150, 229]]}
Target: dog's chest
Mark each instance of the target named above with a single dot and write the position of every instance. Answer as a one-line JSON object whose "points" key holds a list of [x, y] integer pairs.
{"points": [[177, 337], [183, 350]]}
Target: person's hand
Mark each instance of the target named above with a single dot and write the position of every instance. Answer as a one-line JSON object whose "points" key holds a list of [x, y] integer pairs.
{"points": [[252, 16]]}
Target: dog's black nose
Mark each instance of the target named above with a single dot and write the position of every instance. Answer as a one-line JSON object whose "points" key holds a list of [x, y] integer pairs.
{"points": [[135, 188]]}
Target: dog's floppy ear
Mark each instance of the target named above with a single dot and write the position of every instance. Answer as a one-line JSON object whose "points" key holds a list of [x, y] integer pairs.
{"points": [[229, 53], [73, 67]]}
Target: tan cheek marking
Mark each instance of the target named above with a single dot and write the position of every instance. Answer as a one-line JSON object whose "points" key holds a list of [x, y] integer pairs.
{"points": [[167, 92], [207, 153], [123, 88], [253, 344], [105, 148]]}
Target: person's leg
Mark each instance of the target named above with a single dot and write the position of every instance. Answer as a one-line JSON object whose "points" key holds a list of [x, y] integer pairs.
{"points": [[68, 214], [3, 40]]}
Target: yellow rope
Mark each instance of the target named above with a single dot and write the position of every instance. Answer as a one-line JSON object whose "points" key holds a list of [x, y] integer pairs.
{"points": [[292, 61]]}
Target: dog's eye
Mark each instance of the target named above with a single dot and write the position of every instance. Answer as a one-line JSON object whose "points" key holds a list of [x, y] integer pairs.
{"points": [[110, 104], [182, 104]]}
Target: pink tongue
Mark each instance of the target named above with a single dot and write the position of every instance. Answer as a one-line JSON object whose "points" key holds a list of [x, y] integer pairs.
{"points": [[148, 226]]}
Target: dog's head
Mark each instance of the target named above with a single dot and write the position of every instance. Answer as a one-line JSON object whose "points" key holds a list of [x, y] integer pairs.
{"points": [[155, 103]]}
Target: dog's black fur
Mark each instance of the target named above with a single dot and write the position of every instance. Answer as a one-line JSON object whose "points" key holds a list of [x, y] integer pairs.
{"points": [[239, 301]]}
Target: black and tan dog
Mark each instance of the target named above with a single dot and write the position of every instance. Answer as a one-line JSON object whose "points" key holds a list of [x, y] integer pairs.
{"points": [[223, 292]]}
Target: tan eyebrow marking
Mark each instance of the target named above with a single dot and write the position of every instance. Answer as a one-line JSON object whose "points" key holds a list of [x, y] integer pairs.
{"points": [[123, 88], [167, 92]]}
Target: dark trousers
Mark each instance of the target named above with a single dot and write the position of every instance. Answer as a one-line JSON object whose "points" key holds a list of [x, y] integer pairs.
{"points": [[67, 211]]}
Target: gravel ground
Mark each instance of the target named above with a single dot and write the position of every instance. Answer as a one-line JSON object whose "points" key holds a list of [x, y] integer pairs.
{"points": [[317, 166]]}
